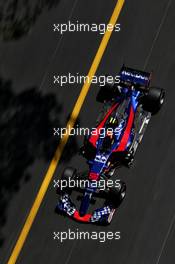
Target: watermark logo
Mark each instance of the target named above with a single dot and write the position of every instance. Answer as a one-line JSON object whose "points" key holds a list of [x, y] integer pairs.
{"points": [[85, 131], [101, 236], [70, 78], [85, 183], [85, 27]]}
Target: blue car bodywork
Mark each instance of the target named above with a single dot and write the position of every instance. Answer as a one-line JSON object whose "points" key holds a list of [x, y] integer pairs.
{"points": [[123, 122]]}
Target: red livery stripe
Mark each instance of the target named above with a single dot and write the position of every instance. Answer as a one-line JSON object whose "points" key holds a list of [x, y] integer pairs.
{"points": [[85, 218], [93, 139], [93, 176], [125, 138]]}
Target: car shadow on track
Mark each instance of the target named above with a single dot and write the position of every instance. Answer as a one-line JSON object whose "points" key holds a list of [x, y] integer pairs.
{"points": [[26, 135]]}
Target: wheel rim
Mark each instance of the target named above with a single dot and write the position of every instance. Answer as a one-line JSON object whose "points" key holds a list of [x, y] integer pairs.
{"points": [[162, 98], [111, 216], [123, 194]]}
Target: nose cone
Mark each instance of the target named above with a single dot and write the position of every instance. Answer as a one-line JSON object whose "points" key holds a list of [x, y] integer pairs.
{"points": [[96, 169]]}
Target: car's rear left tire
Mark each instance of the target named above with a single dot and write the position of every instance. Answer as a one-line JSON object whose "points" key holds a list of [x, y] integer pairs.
{"points": [[153, 100]]}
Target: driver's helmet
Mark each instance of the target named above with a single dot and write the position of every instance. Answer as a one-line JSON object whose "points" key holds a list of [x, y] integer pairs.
{"points": [[112, 122]]}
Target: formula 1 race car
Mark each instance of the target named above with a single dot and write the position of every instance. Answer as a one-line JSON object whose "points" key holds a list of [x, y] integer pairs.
{"points": [[127, 110]]}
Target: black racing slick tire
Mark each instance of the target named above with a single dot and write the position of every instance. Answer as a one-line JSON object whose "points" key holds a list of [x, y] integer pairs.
{"points": [[153, 100], [106, 92], [115, 198], [69, 173], [117, 194]]}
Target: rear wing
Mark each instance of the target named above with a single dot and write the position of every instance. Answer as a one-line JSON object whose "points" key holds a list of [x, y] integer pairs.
{"points": [[134, 77]]}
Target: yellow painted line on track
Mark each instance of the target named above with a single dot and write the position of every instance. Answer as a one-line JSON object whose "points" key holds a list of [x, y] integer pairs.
{"points": [[53, 165]]}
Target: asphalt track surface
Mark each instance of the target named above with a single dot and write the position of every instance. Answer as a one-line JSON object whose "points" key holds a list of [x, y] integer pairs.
{"points": [[146, 217]]}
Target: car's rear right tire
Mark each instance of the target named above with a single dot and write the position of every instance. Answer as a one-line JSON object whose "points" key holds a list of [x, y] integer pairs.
{"points": [[106, 92]]}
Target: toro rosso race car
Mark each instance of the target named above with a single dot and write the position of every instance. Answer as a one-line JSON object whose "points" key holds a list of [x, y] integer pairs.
{"points": [[127, 110]]}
